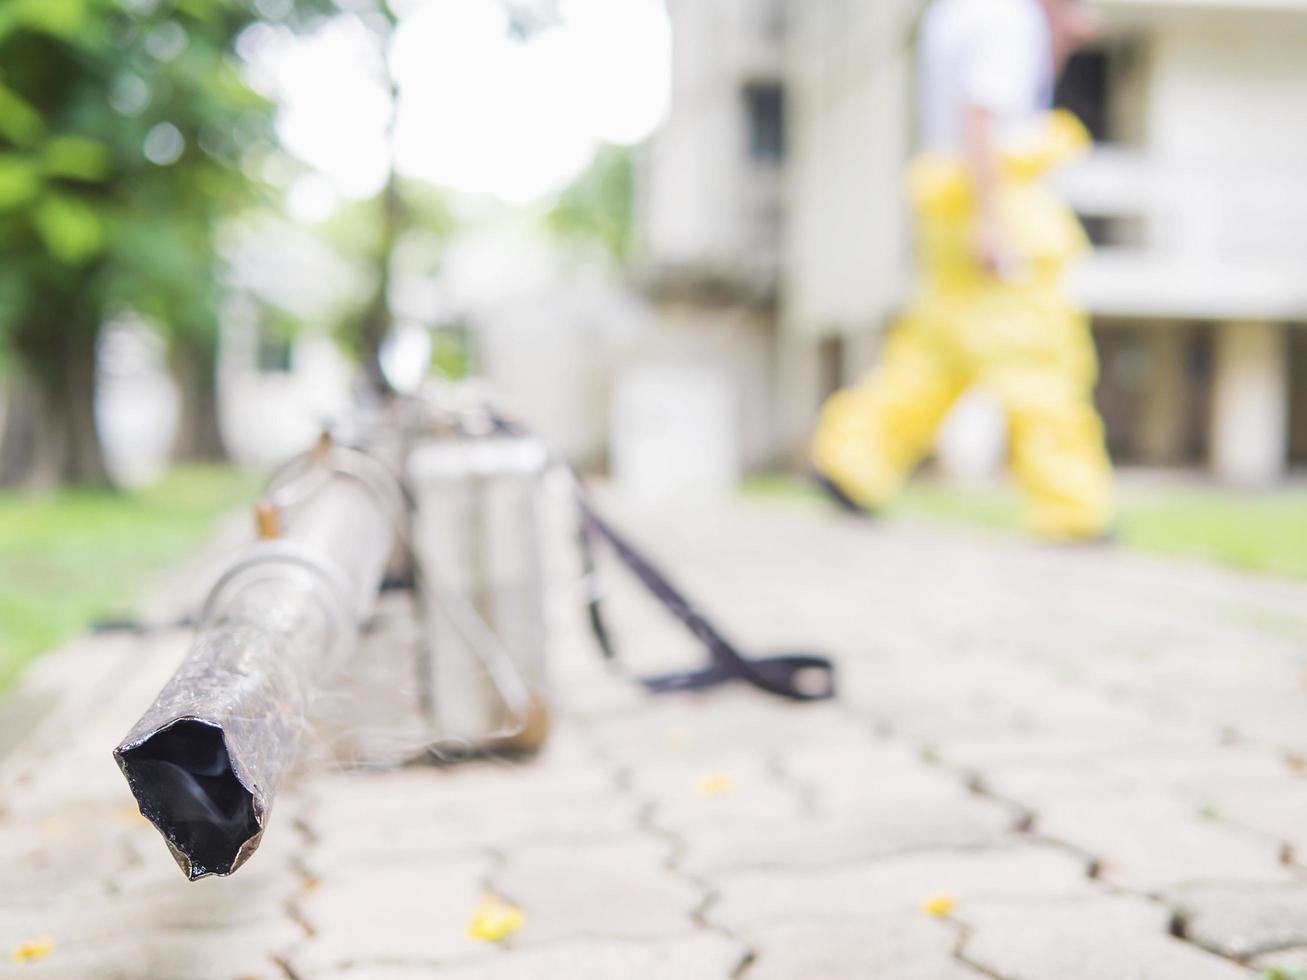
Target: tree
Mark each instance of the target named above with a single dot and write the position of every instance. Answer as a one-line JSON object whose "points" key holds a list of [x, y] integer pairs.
{"points": [[366, 331], [599, 205], [123, 129], [371, 233]]}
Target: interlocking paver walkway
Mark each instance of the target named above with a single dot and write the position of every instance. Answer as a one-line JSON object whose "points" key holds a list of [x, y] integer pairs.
{"points": [[1089, 764]]}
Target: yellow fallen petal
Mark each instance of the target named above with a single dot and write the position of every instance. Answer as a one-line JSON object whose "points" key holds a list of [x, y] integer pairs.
{"points": [[33, 949], [714, 783], [493, 919], [939, 905]]}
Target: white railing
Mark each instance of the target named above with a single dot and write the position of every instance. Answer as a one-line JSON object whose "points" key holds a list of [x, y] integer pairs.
{"points": [[1191, 242]]}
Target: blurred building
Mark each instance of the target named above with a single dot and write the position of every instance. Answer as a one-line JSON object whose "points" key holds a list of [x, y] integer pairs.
{"points": [[774, 242], [710, 243]]}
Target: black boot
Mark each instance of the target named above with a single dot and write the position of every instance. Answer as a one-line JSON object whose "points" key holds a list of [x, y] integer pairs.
{"points": [[838, 497]]}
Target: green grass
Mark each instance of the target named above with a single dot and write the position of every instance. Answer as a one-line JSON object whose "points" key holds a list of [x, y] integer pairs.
{"points": [[70, 558], [1263, 531]]}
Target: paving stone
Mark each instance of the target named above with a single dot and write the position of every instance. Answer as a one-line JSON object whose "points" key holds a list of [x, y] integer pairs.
{"points": [[1151, 842], [685, 725], [74, 851], [593, 692], [413, 789], [715, 790], [459, 827], [701, 956], [1272, 716], [148, 952], [404, 829], [847, 776], [1099, 938], [1284, 964], [813, 833], [1203, 786], [1241, 921], [905, 948], [623, 890], [891, 828], [52, 785], [43, 710], [1278, 810], [939, 697], [156, 894], [391, 914], [895, 885], [1049, 764]]}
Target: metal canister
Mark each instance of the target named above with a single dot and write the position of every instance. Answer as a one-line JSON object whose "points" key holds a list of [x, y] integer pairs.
{"points": [[477, 539]]}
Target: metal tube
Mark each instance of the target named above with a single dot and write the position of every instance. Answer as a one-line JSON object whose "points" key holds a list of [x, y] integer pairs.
{"points": [[205, 760]]}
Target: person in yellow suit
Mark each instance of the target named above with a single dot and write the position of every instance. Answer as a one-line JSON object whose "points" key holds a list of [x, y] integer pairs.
{"points": [[990, 306]]}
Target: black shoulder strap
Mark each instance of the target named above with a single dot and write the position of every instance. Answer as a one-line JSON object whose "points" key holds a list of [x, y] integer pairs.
{"points": [[798, 676]]}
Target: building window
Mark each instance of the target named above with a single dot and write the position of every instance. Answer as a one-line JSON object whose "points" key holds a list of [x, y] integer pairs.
{"points": [[1105, 86], [1298, 395], [1083, 90], [831, 356], [765, 105], [273, 354]]}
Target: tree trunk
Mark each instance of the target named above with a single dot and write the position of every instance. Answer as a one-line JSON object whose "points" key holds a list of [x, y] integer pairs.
{"points": [[375, 322], [54, 440], [199, 432], [19, 435], [377, 317], [83, 461]]}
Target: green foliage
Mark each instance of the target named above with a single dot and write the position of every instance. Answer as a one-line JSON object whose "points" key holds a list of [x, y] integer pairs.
{"points": [[69, 559], [125, 133], [370, 235], [123, 129], [76, 158], [69, 227], [20, 181], [450, 357], [599, 206], [61, 18], [19, 122], [357, 229]]}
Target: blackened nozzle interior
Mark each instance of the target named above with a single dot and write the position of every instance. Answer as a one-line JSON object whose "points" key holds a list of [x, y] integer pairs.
{"points": [[183, 780]]}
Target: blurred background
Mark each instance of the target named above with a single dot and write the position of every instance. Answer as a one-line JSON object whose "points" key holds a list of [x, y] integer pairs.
{"points": [[664, 232]]}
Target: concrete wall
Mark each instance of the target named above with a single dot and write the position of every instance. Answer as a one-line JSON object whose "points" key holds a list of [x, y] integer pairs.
{"points": [[844, 258], [1227, 97], [703, 202], [849, 87], [709, 219], [693, 401]]}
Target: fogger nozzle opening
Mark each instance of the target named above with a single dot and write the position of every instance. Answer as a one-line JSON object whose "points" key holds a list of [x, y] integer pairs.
{"points": [[182, 778]]}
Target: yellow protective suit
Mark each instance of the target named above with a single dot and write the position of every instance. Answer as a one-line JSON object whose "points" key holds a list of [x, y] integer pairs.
{"points": [[1018, 335]]}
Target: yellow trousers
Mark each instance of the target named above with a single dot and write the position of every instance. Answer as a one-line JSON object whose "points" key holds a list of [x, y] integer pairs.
{"points": [[1019, 336]]}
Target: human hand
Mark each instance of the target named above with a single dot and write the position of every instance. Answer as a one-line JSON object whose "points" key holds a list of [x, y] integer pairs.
{"points": [[988, 247]]}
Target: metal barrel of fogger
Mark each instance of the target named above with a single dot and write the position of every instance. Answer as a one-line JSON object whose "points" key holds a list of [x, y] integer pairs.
{"points": [[205, 761]]}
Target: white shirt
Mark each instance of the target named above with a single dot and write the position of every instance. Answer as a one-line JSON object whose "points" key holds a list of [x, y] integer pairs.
{"points": [[995, 54]]}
